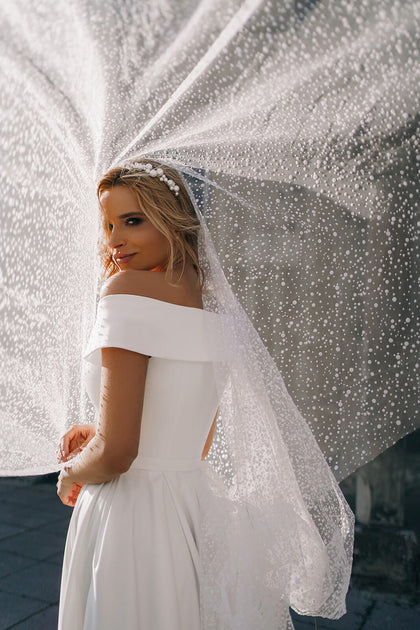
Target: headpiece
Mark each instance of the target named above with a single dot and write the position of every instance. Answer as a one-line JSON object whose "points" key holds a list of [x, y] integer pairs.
{"points": [[153, 172]]}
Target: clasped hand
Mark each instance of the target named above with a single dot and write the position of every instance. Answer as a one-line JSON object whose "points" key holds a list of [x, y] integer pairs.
{"points": [[72, 443]]}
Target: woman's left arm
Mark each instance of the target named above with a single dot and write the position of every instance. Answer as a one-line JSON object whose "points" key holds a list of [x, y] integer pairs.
{"points": [[115, 445]]}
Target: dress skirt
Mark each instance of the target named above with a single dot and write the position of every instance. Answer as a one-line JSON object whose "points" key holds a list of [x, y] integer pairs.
{"points": [[131, 560]]}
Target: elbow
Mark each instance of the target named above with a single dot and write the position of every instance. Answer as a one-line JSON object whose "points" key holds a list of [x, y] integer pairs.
{"points": [[117, 463], [124, 464]]}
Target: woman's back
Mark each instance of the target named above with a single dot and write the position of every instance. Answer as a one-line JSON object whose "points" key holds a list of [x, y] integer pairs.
{"points": [[140, 530], [180, 396]]}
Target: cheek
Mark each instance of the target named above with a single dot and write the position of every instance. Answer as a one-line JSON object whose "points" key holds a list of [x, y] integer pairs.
{"points": [[150, 239], [159, 240]]}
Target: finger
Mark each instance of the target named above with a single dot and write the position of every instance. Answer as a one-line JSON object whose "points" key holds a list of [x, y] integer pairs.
{"points": [[61, 456], [66, 446], [76, 442], [62, 446], [66, 499], [68, 439], [73, 453], [58, 450]]}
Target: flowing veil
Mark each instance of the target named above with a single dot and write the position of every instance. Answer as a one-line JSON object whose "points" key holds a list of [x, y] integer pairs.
{"points": [[295, 124], [280, 533]]}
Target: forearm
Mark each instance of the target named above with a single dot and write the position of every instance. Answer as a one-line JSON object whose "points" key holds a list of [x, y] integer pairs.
{"points": [[92, 465]]}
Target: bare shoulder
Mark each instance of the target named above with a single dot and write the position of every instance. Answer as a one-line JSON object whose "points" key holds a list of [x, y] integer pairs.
{"points": [[137, 282], [149, 284]]}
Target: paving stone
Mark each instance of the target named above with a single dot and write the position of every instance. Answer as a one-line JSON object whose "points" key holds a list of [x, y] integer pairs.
{"points": [[58, 528], [52, 505], [27, 516], [40, 581], [45, 620], [38, 481], [357, 608], [15, 609], [358, 602], [35, 544], [50, 488], [56, 558], [9, 530], [300, 625], [10, 562], [4, 492], [349, 621], [22, 496], [386, 616]]}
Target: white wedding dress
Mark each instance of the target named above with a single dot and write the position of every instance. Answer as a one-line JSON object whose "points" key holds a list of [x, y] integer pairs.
{"points": [[131, 560]]}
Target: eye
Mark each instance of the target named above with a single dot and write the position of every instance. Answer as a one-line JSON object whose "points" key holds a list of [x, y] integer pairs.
{"points": [[127, 222]]}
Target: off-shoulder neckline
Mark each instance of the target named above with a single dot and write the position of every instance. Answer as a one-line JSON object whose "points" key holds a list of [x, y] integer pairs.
{"points": [[145, 297]]}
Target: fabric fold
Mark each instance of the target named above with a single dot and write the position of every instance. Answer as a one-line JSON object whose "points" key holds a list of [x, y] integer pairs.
{"points": [[154, 327]]}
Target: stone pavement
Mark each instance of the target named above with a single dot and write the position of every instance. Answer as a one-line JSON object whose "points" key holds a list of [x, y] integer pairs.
{"points": [[33, 526]]}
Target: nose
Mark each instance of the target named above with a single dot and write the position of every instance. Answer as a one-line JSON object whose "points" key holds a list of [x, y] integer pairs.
{"points": [[116, 240]]}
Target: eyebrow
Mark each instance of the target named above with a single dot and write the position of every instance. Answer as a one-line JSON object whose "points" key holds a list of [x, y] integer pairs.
{"points": [[130, 214]]}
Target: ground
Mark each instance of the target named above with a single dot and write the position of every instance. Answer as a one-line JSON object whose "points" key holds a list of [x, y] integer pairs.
{"points": [[33, 527]]}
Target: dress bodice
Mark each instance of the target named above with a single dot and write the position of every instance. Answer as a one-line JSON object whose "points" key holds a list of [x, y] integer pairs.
{"points": [[184, 345]]}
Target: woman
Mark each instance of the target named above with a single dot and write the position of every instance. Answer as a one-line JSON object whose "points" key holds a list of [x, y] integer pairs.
{"points": [[157, 540], [151, 233]]}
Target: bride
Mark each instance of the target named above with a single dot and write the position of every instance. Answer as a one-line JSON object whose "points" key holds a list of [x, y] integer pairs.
{"points": [[157, 538], [150, 231]]}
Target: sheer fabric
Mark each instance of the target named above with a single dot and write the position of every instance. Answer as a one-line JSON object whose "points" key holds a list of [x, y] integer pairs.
{"points": [[296, 124], [283, 535], [299, 124], [274, 530]]}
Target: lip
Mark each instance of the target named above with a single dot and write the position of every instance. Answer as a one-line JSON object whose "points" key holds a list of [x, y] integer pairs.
{"points": [[124, 258]]}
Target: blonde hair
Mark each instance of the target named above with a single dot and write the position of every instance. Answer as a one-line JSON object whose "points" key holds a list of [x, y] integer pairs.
{"points": [[174, 216]]}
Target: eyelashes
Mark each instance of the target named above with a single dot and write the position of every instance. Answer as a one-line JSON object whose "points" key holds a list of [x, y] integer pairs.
{"points": [[136, 220]]}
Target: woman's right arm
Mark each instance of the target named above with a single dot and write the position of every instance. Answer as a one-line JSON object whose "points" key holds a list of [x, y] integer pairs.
{"points": [[115, 444]]}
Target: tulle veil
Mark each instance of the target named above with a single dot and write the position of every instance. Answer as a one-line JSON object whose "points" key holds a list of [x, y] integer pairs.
{"points": [[282, 532], [295, 125]]}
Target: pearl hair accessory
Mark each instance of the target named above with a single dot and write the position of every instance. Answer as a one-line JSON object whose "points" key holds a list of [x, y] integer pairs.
{"points": [[153, 172]]}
